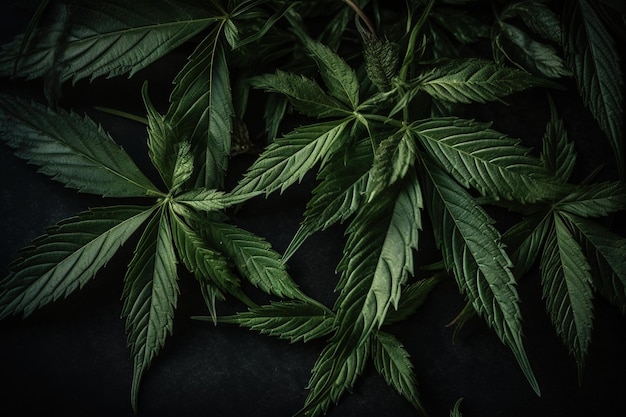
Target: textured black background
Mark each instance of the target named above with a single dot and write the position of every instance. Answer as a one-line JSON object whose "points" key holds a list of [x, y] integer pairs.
{"points": [[70, 358]]}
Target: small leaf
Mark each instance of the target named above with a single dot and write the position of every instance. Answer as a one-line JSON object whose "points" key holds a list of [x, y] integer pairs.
{"points": [[558, 151], [332, 378], [67, 257], [393, 363], [525, 241], [287, 160], [528, 54], [254, 258], [567, 290], [206, 263], [475, 80], [72, 150], [412, 298], [394, 156], [338, 76], [161, 141], [381, 60], [150, 296], [291, 320], [304, 94]]}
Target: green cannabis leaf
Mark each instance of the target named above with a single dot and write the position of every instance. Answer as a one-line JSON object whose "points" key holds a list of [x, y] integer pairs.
{"points": [[371, 102]]}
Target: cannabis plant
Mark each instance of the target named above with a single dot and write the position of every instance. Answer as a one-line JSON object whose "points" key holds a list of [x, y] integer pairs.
{"points": [[381, 106]]}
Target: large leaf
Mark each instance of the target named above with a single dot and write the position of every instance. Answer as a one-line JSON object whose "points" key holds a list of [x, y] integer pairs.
{"points": [[393, 363], [475, 80], [70, 149], [489, 161], [201, 107], [291, 320], [537, 16], [93, 38], [287, 160], [566, 282], [473, 252], [150, 296], [67, 257], [592, 56]]}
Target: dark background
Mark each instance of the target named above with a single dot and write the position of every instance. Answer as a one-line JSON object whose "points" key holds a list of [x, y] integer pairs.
{"points": [[70, 358]]}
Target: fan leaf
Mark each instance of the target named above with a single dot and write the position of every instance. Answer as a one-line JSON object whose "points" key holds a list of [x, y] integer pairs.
{"points": [[67, 257], [339, 78], [70, 149], [595, 200]]}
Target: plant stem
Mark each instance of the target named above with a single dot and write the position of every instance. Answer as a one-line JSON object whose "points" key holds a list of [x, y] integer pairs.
{"points": [[362, 15]]}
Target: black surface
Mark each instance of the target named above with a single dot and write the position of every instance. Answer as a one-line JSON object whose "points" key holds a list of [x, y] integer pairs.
{"points": [[70, 358]]}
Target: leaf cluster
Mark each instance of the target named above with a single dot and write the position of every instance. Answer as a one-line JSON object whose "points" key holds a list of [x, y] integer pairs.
{"points": [[382, 93]]}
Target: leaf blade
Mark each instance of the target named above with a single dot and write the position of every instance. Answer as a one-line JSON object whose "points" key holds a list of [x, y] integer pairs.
{"points": [[70, 149]]}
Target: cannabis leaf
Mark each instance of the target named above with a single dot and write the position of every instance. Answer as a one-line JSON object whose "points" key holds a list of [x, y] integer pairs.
{"points": [[89, 39], [150, 296], [567, 289], [592, 56], [70, 149], [492, 163], [287, 160], [291, 320], [473, 252], [474, 80], [67, 257], [393, 363]]}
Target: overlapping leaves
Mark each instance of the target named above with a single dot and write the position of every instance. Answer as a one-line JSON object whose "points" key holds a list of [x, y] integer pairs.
{"points": [[384, 166]]}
